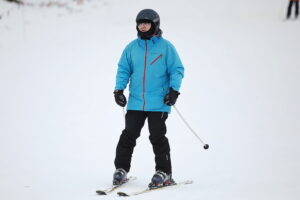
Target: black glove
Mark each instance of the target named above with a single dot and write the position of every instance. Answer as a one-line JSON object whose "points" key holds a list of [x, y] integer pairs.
{"points": [[120, 98], [171, 97]]}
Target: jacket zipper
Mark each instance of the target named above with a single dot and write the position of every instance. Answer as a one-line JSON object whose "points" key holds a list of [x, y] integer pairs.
{"points": [[155, 59], [144, 77]]}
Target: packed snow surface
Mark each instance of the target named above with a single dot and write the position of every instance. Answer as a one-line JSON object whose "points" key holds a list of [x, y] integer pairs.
{"points": [[59, 124]]}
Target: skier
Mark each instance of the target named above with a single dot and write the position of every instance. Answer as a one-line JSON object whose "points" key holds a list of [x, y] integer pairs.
{"points": [[291, 3], [152, 66]]}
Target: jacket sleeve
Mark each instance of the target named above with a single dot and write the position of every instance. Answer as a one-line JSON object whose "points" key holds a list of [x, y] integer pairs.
{"points": [[124, 70], [175, 67]]}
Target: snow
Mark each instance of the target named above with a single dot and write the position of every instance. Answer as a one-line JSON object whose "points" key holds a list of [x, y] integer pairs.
{"points": [[59, 124]]}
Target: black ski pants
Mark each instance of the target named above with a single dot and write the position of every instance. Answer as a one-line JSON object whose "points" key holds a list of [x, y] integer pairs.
{"points": [[134, 122], [289, 12]]}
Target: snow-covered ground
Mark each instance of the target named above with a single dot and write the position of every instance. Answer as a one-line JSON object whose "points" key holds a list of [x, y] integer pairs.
{"points": [[59, 124]]}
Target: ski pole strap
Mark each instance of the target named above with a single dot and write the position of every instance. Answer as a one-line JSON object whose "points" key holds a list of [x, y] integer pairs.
{"points": [[180, 115]]}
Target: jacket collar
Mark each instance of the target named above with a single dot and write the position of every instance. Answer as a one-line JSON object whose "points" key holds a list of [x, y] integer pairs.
{"points": [[153, 39]]}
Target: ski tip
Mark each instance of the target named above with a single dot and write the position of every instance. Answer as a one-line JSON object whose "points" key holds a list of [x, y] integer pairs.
{"points": [[123, 194], [100, 192]]}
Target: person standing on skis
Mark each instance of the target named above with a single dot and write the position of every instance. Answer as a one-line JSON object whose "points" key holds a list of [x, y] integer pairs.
{"points": [[153, 69], [289, 10]]}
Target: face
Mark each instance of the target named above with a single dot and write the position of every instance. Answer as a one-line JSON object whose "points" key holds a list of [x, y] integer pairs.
{"points": [[144, 27]]}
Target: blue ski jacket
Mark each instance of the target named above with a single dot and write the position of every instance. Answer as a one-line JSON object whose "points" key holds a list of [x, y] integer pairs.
{"points": [[151, 67]]}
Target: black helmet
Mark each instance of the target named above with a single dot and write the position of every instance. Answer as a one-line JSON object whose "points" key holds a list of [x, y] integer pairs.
{"points": [[148, 14], [151, 15]]}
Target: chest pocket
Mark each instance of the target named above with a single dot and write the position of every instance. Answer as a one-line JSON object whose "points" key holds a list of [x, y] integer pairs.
{"points": [[157, 66], [156, 59]]}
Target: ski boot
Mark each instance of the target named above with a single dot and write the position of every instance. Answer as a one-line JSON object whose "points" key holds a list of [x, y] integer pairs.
{"points": [[161, 179], [120, 176]]}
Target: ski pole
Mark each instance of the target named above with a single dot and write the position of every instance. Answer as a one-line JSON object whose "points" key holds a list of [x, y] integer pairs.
{"points": [[124, 112], [124, 115], [206, 146]]}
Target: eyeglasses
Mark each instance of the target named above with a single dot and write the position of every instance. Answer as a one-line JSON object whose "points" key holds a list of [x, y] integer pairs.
{"points": [[144, 24]]}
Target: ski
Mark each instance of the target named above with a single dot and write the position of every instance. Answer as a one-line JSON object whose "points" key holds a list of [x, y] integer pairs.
{"points": [[123, 194], [114, 187]]}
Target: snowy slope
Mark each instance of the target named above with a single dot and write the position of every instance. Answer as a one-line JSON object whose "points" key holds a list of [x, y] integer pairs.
{"points": [[59, 124]]}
